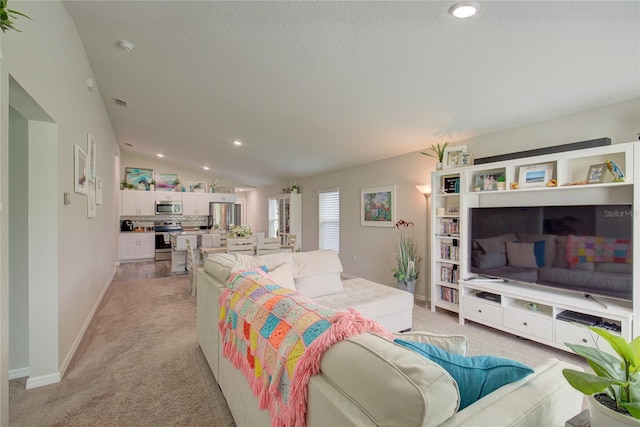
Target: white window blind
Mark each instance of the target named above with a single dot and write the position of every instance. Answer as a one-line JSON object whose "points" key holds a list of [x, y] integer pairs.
{"points": [[329, 218], [273, 218]]}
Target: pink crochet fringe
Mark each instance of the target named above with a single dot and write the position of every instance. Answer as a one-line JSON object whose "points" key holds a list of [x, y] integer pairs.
{"points": [[344, 325]]}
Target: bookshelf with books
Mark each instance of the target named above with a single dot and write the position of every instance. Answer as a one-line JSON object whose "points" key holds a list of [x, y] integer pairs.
{"points": [[445, 244]]}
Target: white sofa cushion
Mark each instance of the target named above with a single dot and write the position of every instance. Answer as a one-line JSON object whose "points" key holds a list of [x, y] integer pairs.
{"points": [[282, 276], [319, 284]]}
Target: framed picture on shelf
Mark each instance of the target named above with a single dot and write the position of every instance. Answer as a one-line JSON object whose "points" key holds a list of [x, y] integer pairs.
{"points": [[487, 181], [453, 209], [378, 206], [596, 173], [535, 175], [466, 159], [164, 181], [451, 184], [80, 170], [452, 156]]}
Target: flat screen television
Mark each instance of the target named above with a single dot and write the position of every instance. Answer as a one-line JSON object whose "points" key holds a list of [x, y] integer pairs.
{"points": [[585, 249]]}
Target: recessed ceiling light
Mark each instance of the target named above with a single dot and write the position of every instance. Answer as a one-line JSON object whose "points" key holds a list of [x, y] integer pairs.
{"points": [[160, 155], [237, 142], [205, 168], [464, 9]]}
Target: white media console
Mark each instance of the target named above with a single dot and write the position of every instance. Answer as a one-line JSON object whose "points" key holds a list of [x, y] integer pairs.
{"points": [[451, 287]]}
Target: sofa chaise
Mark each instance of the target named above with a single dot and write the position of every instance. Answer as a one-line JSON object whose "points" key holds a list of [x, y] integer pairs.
{"points": [[369, 380]]}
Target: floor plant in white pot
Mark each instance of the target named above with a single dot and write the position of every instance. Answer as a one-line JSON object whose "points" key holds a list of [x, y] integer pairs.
{"points": [[407, 259], [614, 387]]}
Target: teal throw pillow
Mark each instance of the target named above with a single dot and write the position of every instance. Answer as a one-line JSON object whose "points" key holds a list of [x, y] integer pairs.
{"points": [[476, 376]]}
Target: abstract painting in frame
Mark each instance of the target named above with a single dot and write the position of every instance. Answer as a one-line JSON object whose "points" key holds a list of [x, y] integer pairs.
{"points": [[164, 181], [378, 206], [91, 153], [80, 170], [140, 177]]}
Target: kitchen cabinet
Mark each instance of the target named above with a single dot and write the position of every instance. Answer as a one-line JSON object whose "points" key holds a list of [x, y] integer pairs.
{"points": [[170, 196], [196, 203], [134, 202], [221, 197], [134, 246]]}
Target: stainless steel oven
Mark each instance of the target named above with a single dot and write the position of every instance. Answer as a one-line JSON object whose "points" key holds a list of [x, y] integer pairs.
{"points": [[164, 207], [163, 238]]}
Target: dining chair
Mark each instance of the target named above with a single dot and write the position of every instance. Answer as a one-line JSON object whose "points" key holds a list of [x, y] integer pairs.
{"points": [[268, 245], [207, 241], [289, 244], [243, 245]]}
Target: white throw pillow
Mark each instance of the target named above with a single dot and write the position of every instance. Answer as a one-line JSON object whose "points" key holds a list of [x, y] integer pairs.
{"points": [[319, 284], [282, 276]]}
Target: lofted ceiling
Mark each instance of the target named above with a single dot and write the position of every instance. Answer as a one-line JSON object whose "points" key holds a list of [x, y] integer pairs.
{"points": [[311, 87]]}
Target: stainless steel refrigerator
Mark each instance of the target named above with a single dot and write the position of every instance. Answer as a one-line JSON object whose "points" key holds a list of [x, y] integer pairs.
{"points": [[222, 216]]}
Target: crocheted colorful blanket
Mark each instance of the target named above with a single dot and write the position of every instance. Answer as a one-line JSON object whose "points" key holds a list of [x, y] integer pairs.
{"points": [[277, 337], [597, 249]]}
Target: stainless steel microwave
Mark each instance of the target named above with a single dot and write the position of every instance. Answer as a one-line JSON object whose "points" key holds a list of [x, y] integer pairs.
{"points": [[164, 207]]}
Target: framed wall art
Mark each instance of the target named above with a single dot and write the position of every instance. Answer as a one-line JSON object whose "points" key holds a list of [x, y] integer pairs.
{"points": [[378, 206], [91, 203], [164, 181], [98, 191], [535, 175], [453, 155], [80, 170], [140, 177], [466, 159], [596, 173], [91, 154]]}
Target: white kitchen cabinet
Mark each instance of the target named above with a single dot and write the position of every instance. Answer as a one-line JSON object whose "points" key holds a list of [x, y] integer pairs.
{"points": [[134, 246], [168, 196], [195, 203], [222, 197], [135, 202]]}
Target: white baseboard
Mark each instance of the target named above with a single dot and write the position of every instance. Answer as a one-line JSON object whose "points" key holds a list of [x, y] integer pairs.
{"points": [[76, 342], [18, 373], [34, 382], [420, 297]]}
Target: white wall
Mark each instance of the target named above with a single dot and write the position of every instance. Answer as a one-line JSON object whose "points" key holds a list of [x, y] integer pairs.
{"points": [[47, 59], [372, 246]]}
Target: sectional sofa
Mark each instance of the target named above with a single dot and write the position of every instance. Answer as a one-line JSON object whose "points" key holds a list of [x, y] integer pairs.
{"points": [[369, 380]]}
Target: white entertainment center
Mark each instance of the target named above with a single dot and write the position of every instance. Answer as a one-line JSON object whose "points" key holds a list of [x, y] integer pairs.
{"points": [[526, 309]]}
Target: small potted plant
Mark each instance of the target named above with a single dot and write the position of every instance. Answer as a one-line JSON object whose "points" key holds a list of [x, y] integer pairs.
{"points": [[437, 153], [614, 387], [152, 185], [124, 185], [176, 184], [501, 182]]}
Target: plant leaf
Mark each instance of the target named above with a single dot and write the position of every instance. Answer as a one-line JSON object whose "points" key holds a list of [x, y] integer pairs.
{"points": [[633, 408], [620, 346], [589, 383], [602, 363]]}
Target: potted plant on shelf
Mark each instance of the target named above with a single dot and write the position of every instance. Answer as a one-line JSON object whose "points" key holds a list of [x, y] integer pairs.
{"points": [[437, 153], [124, 185], [407, 259], [152, 185], [6, 16], [501, 182], [614, 387], [176, 184]]}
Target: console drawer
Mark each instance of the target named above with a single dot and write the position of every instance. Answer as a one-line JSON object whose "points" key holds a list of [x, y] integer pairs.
{"points": [[575, 334], [530, 324], [483, 312]]}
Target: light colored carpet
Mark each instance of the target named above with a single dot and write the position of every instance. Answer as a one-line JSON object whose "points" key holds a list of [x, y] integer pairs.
{"points": [[139, 364]]}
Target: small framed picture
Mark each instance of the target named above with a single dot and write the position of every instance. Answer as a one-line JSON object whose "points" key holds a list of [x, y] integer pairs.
{"points": [[377, 206], [535, 175], [451, 184], [452, 156], [466, 159], [80, 170], [596, 173], [453, 209]]}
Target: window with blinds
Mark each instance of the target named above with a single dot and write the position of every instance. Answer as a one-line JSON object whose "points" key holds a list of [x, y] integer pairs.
{"points": [[329, 218]]}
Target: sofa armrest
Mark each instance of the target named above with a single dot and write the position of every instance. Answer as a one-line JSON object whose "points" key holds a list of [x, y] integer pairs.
{"points": [[544, 398], [452, 343]]}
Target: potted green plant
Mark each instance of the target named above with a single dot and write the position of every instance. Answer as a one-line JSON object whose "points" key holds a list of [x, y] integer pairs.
{"points": [[176, 184], [6, 16], [501, 182], [437, 153], [152, 185], [124, 185], [407, 259], [614, 387]]}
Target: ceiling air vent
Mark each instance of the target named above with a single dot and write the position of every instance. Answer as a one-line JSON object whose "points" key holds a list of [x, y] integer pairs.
{"points": [[120, 102]]}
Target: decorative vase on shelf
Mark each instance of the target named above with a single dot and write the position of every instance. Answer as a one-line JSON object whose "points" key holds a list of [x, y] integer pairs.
{"points": [[439, 166]]}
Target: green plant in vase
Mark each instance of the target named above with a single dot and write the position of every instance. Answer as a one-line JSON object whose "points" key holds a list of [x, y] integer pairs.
{"points": [[407, 259], [615, 383], [501, 182], [437, 152]]}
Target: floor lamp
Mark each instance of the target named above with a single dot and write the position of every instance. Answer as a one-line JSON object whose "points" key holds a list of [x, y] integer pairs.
{"points": [[425, 189]]}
